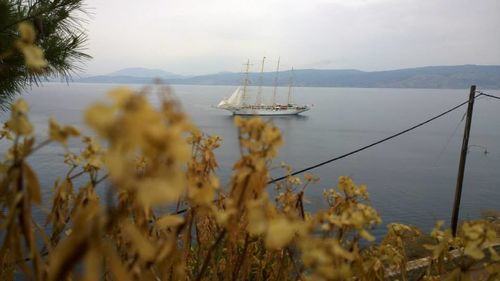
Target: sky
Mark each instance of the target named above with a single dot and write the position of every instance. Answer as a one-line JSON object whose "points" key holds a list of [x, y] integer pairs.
{"points": [[193, 37]]}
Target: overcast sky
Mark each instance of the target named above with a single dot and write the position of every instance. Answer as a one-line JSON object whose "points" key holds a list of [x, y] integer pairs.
{"points": [[207, 36]]}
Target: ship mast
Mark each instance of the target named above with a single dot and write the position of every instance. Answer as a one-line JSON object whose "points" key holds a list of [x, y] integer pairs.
{"points": [[290, 84], [258, 101], [246, 81], [276, 81]]}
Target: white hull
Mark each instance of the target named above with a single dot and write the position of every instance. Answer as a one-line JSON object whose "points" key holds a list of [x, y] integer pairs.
{"points": [[249, 111], [238, 104]]}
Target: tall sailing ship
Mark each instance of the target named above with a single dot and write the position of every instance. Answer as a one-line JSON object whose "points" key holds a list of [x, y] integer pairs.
{"points": [[238, 105]]}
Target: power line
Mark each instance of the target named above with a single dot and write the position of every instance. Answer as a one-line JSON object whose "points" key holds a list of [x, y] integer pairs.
{"points": [[375, 143], [488, 95], [449, 139], [370, 145]]}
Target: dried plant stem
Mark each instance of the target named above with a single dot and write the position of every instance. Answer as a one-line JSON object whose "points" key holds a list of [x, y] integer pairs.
{"points": [[209, 255], [40, 145], [300, 204], [76, 175], [282, 264], [241, 258], [187, 240], [22, 204], [295, 268]]}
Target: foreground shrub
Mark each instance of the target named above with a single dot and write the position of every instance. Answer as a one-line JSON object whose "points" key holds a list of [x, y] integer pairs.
{"points": [[165, 216]]}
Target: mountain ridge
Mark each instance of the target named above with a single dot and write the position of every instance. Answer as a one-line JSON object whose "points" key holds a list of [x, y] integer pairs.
{"points": [[445, 77], [144, 73]]}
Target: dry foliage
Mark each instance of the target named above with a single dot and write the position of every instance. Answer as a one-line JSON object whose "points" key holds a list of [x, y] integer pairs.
{"points": [[166, 217]]}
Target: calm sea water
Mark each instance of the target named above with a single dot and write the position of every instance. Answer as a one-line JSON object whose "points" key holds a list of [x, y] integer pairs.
{"points": [[411, 179]]}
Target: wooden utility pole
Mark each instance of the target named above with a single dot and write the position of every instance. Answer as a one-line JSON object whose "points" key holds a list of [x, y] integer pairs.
{"points": [[463, 156]]}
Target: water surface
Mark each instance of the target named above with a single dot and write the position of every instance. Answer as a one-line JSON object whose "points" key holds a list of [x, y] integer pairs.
{"points": [[411, 179]]}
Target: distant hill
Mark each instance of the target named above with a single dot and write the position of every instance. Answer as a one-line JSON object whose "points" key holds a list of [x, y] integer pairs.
{"points": [[139, 72], [135, 75], [437, 77], [116, 79]]}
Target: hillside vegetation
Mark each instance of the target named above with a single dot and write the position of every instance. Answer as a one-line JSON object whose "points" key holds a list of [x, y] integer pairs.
{"points": [[432, 77]]}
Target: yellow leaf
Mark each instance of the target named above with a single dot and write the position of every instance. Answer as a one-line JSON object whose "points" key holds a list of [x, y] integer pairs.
{"points": [[117, 269], [121, 95], [157, 191], [279, 233], [5, 134], [257, 219], [311, 177], [93, 265], [55, 133], [27, 32], [19, 122], [222, 216], [33, 184], [494, 255], [100, 117], [65, 256], [61, 134], [169, 221], [474, 251], [140, 243], [33, 56], [365, 234], [20, 106]]}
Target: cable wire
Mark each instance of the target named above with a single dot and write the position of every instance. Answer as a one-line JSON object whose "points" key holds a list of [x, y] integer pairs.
{"points": [[448, 141], [488, 95], [367, 146], [375, 143]]}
